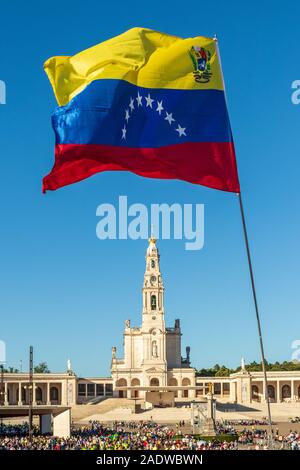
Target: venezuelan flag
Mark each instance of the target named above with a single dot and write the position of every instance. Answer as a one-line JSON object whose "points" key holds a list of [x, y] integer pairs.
{"points": [[145, 102]]}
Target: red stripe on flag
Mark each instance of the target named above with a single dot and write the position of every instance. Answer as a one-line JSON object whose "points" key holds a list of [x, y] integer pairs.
{"points": [[210, 164]]}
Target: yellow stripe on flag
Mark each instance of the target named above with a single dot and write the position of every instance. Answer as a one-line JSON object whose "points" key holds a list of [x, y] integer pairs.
{"points": [[140, 56]]}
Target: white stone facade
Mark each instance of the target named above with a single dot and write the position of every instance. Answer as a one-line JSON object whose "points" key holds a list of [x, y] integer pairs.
{"points": [[152, 353]]}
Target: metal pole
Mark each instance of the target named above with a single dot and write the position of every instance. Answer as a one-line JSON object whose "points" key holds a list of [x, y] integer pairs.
{"points": [[2, 393], [30, 390], [252, 281], [258, 320]]}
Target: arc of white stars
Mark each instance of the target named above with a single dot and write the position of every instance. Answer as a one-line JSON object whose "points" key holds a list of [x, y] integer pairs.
{"points": [[149, 100], [139, 99], [159, 108], [131, 104], [169, 118], [181, 130]]}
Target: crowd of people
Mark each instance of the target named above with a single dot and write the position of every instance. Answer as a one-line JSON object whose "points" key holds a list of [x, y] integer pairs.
{"points": [[144, 435], [245, 422]]}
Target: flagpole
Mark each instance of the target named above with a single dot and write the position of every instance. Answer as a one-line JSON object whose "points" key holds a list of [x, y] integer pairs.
{"points": [[257, 318], [265, 381]]}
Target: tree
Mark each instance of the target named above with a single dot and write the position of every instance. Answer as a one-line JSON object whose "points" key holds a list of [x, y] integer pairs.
{"points": [[10, 370], [41, 368], [223, 371]]}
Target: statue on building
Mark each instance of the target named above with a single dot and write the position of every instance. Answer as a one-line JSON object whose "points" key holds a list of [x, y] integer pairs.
{"points": [[69, 366], [154, 349], [177, 324], [127, 323], [243, 364], [113, 352], [188, 352]]}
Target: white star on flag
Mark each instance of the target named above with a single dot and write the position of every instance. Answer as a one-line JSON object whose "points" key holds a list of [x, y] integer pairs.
{"points": [[149, 100], [169, 118], [127, 115], [131, 104], [139, 100], [124, 132], [159, 107], [181, 130]]}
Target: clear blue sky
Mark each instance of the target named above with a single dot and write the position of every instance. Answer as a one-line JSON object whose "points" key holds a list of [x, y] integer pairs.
{"points": [[68, 293]]}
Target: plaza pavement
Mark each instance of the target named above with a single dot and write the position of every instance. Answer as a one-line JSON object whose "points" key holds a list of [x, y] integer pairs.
{"points": [[115, 410]]}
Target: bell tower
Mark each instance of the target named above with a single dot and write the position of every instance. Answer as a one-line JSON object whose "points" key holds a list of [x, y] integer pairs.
{"points": [[153, 290], [153, 329]]}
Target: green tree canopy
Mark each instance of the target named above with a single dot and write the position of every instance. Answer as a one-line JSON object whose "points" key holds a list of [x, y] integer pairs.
{"points": [[41, 368], [223, 371]]}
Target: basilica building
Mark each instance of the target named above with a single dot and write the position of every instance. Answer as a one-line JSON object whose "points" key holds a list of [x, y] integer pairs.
{"points": [[153, 367]]}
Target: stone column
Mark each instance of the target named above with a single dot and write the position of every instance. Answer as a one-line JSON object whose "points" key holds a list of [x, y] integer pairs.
{"points": [[264, 393], [292, 390], [63, 399], [20, 394], [5, 395], [34, 394], [48, 394], [278, 392], [210, 420], [233, 392]]}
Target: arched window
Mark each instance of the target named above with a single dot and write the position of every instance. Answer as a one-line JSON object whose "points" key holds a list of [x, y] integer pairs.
{"points": [[299, 391], [135, 383], [271, 392], [152, 263], [173, 383], [39, 394], [122, 383], [53, 394], [255, 393], [154, 382], [153, 302], [186, 382], [286, 391]]}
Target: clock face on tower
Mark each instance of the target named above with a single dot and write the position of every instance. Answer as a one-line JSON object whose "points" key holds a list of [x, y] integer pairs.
{"points": [[152, 280]]}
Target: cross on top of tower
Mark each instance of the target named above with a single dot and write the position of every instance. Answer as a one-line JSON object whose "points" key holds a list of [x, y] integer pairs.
{"points": [[152, 238]]}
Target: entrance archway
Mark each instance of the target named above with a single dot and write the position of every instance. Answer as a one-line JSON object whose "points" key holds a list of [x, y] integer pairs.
{"points": [[54, 395], [135, 383], [186, 382], [39, 395], [122, 383], [271, 392], [286, 392], [255, 393], [154, 382], [174, 383]]}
